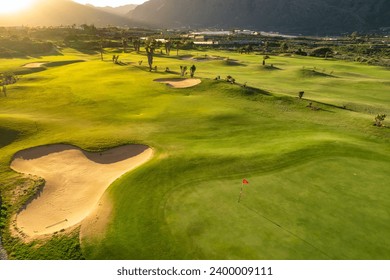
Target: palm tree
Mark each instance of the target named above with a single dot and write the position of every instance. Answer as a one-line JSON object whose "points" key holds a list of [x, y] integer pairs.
{"points": [[101, 48], [178, 44], [265, 58], [137, 45], [150, 48], [6, 79], [124, 44], [168, 46]]}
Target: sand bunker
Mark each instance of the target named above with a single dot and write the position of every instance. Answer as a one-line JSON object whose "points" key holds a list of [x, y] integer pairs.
{"points": [[75, 182], [34, 65], [179, 83], [203, 58]]}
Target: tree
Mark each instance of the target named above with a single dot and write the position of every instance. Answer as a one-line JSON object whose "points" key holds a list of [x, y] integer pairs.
{"points": [[178, 44], [354, 35], [6, 79], [115, 59], [158, 44], [266, 46], [283, 47], [300, 52], [322, 52], [91, 29], [137, 45], [168, 46], [192, 70], [150, 48], [301, 93], [183, 70], [124, 44], [101, 48], [379, 119], [247, 49], [265, 58], [230, 79], [4, 90]]}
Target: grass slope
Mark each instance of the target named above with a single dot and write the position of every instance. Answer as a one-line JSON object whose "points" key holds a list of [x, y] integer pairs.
{"points": [[318, 179]]}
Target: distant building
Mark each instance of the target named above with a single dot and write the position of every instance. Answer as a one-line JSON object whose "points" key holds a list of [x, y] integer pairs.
{"points": [[204, 43], [212, 33], [246, 32]]}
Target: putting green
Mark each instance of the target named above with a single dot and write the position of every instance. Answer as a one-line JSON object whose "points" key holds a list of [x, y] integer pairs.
{"points": [[296, 209]]}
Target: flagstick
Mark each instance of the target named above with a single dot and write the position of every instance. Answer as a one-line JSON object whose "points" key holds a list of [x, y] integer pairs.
{"points": [[242, 187]]}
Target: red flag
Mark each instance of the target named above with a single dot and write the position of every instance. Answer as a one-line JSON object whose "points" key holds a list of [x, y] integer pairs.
{"points": [[245, 182]]}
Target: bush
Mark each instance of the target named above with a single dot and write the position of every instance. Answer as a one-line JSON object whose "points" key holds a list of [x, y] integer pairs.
{"points": [[300, 52], [322, 52], [379, 119], [13, 47]]}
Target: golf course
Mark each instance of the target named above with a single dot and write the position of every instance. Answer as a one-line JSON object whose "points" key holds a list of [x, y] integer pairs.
{"points": [[103, 160]]}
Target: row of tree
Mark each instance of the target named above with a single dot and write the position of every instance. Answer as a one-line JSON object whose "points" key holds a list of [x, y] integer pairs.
{"points": [[151, 45]]}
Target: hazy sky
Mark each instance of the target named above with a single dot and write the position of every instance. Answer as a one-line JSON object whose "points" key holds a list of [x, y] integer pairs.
{"points": [[112, 3]]}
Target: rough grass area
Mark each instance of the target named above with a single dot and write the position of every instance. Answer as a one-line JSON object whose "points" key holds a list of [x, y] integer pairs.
{"points": [[58, 247], [318, 179]]}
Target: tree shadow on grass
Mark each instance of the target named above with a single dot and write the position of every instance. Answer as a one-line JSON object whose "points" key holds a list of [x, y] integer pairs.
{"points": [[312, 73], [269, 68], [255, 91], [26, 71], [7, 136], [62, 63]]}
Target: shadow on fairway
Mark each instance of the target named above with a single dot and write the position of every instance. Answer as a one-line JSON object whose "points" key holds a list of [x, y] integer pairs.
{"points": [[7, 136]]}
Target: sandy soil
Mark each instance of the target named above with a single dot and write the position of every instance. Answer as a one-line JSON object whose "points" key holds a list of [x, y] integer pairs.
{"points": [[179, 83], [34, 65], [75, 182], [97, 221]]}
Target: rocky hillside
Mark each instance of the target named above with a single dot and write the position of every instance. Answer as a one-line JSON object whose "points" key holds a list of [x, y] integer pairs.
{"points": [[289, 16], [121, 10]]}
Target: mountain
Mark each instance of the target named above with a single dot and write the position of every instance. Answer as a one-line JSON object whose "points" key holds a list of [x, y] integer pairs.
{"points": [[287, 16], [120, 11], [62, 12]]}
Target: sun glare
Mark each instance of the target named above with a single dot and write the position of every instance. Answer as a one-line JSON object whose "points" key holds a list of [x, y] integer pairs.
{"points": [[15, 6]]}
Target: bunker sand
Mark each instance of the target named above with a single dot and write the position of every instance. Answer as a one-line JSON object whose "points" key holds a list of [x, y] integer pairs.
{"points": [[35, 65], [75, 182], [179, 83]]}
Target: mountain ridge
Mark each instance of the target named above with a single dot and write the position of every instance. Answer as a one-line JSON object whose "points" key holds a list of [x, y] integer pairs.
{"points": [[306, 17], [63, 12], [290, 16], [120, 10]]}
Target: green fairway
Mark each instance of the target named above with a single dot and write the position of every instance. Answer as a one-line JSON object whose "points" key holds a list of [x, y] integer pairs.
{"points": [[318, 178]]}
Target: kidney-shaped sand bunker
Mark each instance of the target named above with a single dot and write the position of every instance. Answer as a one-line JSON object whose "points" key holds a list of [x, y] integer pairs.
{"points": [[179, 82], [75, 181]]}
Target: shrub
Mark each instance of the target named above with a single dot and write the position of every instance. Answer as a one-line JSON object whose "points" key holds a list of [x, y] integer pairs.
{"points": [[322, 52], [379, 119]]}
